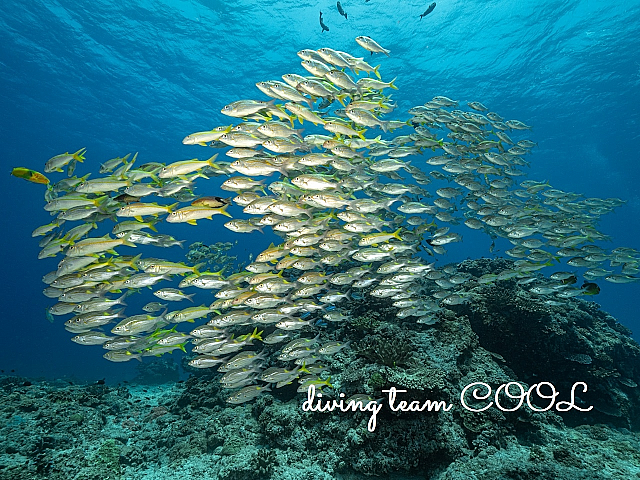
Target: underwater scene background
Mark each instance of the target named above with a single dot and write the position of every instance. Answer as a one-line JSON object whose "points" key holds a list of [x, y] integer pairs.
{"points": [[118, 79]]}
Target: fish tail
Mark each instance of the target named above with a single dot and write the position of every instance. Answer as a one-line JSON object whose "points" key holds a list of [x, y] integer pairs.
{"points": [[133, 262], [196, 268], [223, 210], [396, 234], [79, 155], [121, 299], [391, 85], [375, 70], [127, 242], [211, 161], [256, 334]]}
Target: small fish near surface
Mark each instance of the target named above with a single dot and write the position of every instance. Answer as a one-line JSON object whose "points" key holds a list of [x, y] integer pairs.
{"points": [[428, 10], [322, 25], [341, 11]]}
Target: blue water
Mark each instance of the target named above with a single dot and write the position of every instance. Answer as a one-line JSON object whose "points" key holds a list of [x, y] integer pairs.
{"points": [[138, 78]]}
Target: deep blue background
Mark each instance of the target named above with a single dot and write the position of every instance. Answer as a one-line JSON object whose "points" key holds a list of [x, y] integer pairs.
{"points": [[118, 79]]}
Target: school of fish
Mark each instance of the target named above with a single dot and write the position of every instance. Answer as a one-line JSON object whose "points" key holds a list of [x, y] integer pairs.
{"points": [[363, 207]]}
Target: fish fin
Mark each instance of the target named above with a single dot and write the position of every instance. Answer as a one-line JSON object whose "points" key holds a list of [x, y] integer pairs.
{"points": [[196, 268], [211, 161], [223, 210], [375, 70], [191, 222], [79, 155], [303, 368], [134, 260]]}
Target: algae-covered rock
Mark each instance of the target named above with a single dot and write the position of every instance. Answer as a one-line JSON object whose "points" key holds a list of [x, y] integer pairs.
{"points": [[104, 463]]}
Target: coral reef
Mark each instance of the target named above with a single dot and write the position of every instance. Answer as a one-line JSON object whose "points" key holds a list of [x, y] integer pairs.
{"points": [[55, 431]]}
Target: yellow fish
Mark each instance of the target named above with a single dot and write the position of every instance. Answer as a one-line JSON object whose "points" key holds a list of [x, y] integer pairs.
{"points": [[29, 175]]}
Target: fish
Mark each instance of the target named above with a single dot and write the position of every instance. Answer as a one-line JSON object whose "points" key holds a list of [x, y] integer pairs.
{"points": [[202, 138], [322, 25], [185, 167], [247, 393], [102, 185], [188, 314], [172, 294], [136, 324], [192, 213], [356, 217], [133, 226], [371, 45], [341, 11], [590, 288], [366, 118], [30, 175], [243, 108], [55, 164], [122, 356], [152, 307], [92, 245], [428, 10], [621, 278], [304, 113], [138, 210], [112, 164], [91, 338]]}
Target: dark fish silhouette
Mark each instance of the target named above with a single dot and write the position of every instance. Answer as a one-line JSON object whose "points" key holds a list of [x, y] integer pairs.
{"points": [[341, 11], [589, 288], [428, 10], [324, 27]]}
